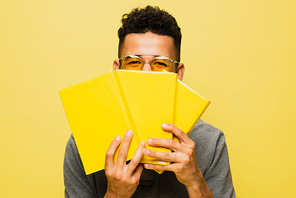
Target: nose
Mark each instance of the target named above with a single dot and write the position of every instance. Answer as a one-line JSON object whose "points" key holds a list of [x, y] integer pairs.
{"points": [[146, 66]]}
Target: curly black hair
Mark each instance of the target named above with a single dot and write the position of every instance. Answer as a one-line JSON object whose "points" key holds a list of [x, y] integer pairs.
{"points": [[150, 19]]}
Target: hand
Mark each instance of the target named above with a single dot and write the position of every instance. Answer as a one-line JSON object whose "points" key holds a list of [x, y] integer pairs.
{"points": [[123, 179], [183, 158]]}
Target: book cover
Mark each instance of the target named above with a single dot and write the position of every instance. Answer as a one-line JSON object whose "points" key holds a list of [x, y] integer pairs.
{"points": [[189, 107], [91, 108], [104, 107], [150, 98], [107, 106]]}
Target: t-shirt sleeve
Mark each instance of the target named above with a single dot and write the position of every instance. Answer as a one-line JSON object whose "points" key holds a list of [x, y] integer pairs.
{"points": [[76, 182], [218, 175], [212, 159]]}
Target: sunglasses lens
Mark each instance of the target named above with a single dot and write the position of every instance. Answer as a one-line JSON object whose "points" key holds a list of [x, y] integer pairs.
{"points": [[161, 63], [132, 63]]}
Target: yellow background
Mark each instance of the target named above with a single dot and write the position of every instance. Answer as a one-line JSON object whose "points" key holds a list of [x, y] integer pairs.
{"points": [[238, 54]]}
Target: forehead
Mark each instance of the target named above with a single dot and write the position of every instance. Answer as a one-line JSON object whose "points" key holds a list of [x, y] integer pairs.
{"points": [[148, 43]]}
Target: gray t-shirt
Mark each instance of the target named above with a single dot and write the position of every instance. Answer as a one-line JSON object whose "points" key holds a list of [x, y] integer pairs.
{"points": [[212, 159]]}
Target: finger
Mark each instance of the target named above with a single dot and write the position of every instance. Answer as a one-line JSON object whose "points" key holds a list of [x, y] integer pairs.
{"points": [[138, 171], [171, 167], [122, 154], [136, 158], [183, 137], [158, 167], [109, 160], [163, 156], [165, 143]]}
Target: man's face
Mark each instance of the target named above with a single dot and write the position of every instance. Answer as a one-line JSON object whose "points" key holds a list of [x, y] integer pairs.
{"points": [[149, 44]]}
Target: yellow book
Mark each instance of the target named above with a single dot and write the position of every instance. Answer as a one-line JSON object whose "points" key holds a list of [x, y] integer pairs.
{"points": [[92, 108], [189, 107], [150, 97], [104, 107]]}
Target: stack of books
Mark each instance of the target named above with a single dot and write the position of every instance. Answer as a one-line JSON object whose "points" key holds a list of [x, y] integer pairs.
{"points": [[107, 106]]}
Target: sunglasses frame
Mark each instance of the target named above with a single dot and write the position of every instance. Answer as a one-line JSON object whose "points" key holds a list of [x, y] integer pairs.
{"points": [[155, 56]]}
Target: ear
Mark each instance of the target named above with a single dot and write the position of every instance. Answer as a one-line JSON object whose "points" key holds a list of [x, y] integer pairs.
{"points": [[180, 71], [116, 64]]}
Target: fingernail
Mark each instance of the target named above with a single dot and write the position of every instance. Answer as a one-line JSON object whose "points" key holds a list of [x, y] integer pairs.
{"points": [[118, 138], [164, 125], [147, 165], [129, 133], [146, 151], [149, 141], [143, 143]]}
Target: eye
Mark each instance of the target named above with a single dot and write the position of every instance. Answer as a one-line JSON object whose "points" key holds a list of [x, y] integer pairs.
{"points": [[133, 62], [159, 63]]}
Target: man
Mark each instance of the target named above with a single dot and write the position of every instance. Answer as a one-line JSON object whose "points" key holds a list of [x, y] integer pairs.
{"points": [[150, 40]]}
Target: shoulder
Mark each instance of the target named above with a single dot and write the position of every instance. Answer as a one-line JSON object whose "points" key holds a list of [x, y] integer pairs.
{"points": [[206, 135], [208, 139], [77, 183], [72, 158], [212, 158], [71, 150]]}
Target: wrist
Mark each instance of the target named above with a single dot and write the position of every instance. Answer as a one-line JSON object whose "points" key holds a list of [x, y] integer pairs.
{"points": [[109, 195], [112, 194], [199, 188], [198, 191]]}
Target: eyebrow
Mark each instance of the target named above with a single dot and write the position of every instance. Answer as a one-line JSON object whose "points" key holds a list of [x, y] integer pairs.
{"points": [[155, 55]]}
